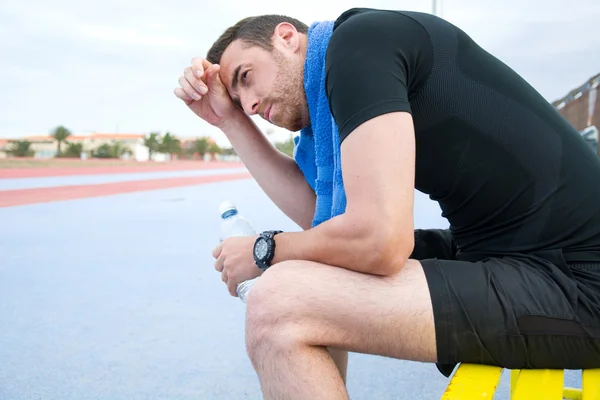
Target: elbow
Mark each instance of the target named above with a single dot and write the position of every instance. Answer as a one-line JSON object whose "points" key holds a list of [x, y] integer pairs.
{"points": [[387, 250], [393, 254]]}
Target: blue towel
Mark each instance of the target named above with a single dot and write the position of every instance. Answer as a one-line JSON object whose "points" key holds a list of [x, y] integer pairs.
{"points": [[317, 148]]}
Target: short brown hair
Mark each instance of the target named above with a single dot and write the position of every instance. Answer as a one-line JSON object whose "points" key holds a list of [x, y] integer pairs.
{"points": [[257, 31]]}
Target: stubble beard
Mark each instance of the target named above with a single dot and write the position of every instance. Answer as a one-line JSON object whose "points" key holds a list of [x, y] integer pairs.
{"points": [[288, 94]]}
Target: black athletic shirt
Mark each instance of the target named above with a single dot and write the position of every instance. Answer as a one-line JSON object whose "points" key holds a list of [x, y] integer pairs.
{"points": [[511, 175]]}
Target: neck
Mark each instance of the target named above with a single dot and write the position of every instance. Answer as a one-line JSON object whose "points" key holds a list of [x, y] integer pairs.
{"points": [[303, 45]]}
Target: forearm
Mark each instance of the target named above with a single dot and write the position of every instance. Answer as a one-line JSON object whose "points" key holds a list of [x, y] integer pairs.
{"points": [[276, 173], [355, 241]]}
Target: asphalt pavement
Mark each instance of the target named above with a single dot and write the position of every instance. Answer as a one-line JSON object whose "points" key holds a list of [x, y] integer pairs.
{"points": [[115, 297]]}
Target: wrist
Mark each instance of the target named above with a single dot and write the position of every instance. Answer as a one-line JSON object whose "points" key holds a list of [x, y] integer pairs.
{"points": [[264, 249], [234, 123]]}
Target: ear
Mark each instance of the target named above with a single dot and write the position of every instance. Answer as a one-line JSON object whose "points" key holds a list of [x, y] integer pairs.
{"points": [[286, 37]]}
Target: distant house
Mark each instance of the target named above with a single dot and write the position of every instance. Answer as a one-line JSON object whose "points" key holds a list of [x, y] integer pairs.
{"points": [[132, 141], [590, 135], [581, 108], [45, 146], [188, 145]]}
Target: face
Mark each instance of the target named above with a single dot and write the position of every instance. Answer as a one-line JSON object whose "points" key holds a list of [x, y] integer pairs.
{"points": [[270, 84]]}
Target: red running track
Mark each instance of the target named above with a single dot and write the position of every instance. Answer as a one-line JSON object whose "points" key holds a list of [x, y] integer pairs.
{"points": [[12, 173], [20, 197]]}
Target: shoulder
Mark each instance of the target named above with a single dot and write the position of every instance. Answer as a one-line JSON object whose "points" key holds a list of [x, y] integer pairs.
{"points": [[369, 23], [376, 60], [377, 34]]}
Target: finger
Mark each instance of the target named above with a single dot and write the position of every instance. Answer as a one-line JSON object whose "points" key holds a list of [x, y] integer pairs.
{"points": [[224, 276], [199, 65], [196, 83], [188, 89], [232, 287], [179, 92], [219, 264], [217, 250]]}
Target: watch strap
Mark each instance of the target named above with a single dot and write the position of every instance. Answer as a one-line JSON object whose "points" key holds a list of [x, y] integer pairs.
{"points": [[270, 234]]}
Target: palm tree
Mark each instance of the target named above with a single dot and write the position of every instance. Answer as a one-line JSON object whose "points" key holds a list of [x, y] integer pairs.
{"points": [[60, 133], [152, 143], [170, 144], [201, 146]]}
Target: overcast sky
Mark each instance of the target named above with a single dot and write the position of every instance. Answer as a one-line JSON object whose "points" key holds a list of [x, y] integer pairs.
{"points": [[112, 65]]}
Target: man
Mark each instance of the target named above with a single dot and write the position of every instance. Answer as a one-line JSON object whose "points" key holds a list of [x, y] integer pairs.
{"points": [[413, 102]]}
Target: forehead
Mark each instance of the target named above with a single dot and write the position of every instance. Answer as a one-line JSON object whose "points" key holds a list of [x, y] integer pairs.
{"points": [[239, 53]]}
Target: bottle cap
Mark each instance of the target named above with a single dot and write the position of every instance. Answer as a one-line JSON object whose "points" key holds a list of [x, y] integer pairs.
{"points": [[226, 206]]}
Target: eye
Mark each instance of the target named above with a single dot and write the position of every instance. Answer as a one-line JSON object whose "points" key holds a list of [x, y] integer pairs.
{"points": [[245, 76]]}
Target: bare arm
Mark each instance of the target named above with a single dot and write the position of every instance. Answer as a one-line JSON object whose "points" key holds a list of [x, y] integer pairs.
{"points": [[276, 173], [375, 235]]}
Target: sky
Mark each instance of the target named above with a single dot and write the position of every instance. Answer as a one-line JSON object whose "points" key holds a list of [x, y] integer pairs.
{"points": [[111, 66]]}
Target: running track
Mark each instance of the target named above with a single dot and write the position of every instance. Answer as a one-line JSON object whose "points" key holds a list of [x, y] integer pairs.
{"points": [[115, 297], [13, 173], [32, 195]]}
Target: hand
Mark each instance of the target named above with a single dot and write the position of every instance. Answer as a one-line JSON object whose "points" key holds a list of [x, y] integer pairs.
{"points": [[204, 93], [235, 261]]}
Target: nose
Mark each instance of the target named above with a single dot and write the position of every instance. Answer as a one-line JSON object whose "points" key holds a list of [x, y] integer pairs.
{"points": [[250, 105]]}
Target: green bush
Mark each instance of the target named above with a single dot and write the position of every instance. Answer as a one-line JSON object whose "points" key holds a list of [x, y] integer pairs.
{"points": [[115, 150], [21, 148], [73, 150]]}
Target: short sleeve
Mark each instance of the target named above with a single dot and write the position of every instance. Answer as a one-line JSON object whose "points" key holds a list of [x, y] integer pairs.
{"points": [[376, 60]]}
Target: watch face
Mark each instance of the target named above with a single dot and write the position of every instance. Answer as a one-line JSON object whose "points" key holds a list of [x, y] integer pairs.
{"points": [[260, 250]]}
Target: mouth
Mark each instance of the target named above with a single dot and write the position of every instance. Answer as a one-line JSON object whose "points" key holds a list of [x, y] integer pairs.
{"points": [[267, 114]]}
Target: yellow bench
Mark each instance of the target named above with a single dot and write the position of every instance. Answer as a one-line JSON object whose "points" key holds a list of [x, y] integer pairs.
{"points": [[472, 382]]}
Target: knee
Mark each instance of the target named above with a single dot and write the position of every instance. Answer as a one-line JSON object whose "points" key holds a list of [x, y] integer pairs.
{"points": [[275, 294], [272, 307]]}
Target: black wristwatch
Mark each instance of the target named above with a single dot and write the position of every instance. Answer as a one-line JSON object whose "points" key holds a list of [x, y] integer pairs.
{"points": [[264, 249]]}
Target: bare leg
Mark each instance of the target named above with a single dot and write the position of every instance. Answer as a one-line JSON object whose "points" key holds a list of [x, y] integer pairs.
{"points": [[298, 308]]}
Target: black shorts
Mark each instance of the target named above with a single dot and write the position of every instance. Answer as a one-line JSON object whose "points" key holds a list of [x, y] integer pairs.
{"points": [[518, 312]]}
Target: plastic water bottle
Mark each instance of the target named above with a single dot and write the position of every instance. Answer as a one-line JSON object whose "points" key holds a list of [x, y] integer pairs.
{"points": [[233, 224]]}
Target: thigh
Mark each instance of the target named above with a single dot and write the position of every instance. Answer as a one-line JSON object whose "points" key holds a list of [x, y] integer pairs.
{"points": [[512, 312], [335, 307]]}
